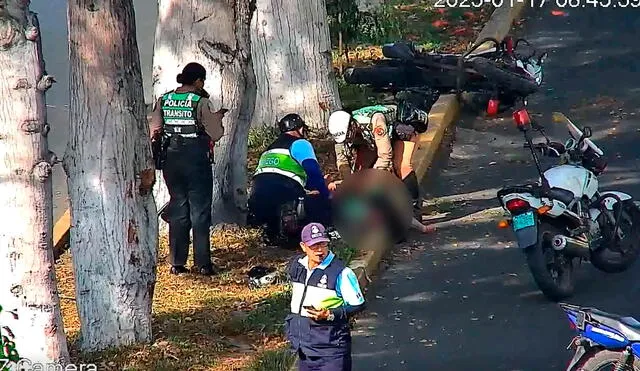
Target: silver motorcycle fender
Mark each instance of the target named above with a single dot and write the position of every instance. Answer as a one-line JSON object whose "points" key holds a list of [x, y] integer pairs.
{"points": [[582, 347], [608, 202]]}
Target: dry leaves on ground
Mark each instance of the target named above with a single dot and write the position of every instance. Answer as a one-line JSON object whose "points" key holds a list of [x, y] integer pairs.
{"points": [[200, 323]]}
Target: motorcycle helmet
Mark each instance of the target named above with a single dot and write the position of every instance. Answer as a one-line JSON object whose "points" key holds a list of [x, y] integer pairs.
{"points": [[410, 114], [261, 276], [339, 125], [291, 122]]}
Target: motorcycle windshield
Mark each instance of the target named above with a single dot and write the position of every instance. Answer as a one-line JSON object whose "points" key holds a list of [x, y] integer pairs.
{"points": [[576, 133]]}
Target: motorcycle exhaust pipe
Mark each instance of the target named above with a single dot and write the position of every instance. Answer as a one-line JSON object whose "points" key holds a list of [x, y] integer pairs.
{"points": [[571, 246]]}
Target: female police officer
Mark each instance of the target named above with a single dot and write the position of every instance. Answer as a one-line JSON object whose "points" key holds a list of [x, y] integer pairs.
{"points": [[186, 120]]}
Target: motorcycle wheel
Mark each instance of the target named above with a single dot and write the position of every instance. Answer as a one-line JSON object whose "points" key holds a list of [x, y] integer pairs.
{"points": [[504, 78], [620, 257], [551, 270], [604, 360]]}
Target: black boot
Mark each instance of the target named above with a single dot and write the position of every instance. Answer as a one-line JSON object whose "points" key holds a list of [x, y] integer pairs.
{"points": [[208, 270], [411, 182], [178, 269]]}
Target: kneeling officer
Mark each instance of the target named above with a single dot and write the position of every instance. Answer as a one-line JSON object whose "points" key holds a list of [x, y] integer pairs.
{"points": [[187, 126], [286, 171]]}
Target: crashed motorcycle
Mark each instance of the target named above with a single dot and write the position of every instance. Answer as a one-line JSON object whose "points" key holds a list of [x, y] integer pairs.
{"points": [[497, 76], [605, 341], [564, 218]]}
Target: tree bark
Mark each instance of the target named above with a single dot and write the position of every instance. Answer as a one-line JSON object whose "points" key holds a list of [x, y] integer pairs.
{"points": [[291, 50], [110, 168], [214, 33], [27, 274]]}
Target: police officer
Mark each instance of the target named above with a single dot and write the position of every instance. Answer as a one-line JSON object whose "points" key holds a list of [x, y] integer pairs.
{"points": [[286, 171], [380, 137], [325, 295], [186, 119]]}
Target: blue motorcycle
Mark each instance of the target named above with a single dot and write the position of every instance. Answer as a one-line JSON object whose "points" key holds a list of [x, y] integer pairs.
{"points": [[605, 341]]}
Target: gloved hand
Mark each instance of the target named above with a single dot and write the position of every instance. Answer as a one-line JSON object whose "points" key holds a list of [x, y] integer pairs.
{"points": [[404, 132]]}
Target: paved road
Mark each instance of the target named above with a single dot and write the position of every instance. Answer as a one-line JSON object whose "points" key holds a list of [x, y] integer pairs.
{"points": [[53, 24], [463, 299]]}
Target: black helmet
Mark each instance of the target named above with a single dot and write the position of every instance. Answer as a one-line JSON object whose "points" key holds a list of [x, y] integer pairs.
{"points": [[409, 114], [291, 122]]}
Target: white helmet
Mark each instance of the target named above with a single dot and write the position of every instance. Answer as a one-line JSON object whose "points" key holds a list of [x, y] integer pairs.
{"points": [[339, 125]]}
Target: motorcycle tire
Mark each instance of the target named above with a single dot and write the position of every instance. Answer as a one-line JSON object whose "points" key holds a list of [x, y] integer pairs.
{"points": [[604, 360], [504, 79], [554, 289], [611, 260]]}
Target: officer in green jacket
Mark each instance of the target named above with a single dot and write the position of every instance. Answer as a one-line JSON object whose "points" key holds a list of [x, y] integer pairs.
{"points": [[189, 125]]}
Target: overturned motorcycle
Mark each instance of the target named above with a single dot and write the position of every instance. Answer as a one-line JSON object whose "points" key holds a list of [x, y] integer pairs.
{"points": [[564, 218], [494, 78]]}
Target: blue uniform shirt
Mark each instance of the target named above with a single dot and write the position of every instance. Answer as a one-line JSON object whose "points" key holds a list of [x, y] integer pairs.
{"points": [[347, 286]]}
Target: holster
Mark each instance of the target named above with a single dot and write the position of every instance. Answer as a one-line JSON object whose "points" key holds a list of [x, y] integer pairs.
{"points": [[159, 144]]}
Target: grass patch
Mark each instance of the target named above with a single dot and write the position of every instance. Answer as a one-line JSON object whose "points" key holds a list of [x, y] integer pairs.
{"points": [[267, 318], [343, 251], [191, 312], [273, 360], [261, 137]]}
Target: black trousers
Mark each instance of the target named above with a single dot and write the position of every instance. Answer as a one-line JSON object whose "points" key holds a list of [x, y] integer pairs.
{"points": [[187, 173], [271, 191]]}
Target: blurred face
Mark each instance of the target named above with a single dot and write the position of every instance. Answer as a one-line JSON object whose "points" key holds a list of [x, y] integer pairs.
{"points": [[316, 253]]}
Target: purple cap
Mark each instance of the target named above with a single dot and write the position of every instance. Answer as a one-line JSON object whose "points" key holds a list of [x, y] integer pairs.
{"points": [[313, 233]]}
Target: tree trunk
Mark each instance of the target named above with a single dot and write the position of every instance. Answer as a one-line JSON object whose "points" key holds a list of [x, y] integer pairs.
{"points": [[28, 279], [110, 168], [291, 51], [214, 33]]}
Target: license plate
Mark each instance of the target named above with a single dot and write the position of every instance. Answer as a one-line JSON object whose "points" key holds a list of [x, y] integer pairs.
{"points": [[523, 221]]}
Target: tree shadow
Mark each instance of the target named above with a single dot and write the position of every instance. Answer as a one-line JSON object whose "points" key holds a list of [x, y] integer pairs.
{"points": [[449, 301]]}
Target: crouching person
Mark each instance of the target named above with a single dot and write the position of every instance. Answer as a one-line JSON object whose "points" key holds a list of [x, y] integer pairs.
{"points": [[325, 295]]}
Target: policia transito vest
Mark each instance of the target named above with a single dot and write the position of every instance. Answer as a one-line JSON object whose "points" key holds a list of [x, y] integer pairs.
{"points": [[179, 111], [316, 338], [363, 117], [277, 159]]}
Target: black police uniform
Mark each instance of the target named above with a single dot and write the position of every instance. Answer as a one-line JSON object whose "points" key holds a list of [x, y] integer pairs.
{"points": [[188, 176]]}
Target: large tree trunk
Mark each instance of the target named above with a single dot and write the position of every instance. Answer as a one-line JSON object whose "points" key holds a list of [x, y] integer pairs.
{"points": [[27, 274], [291, 51], [214, 33], [110, 169]]}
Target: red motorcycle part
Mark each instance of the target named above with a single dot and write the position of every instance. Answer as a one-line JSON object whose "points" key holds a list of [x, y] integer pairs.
{"points": [[492, 107]]}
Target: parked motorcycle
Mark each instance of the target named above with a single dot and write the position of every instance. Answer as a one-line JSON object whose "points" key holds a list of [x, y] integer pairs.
{"points": [[564, 218], [499, 76], [605, 341]]}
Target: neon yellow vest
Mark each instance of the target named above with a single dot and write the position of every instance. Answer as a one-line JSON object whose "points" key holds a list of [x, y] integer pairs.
{"points": [[280, 161]]}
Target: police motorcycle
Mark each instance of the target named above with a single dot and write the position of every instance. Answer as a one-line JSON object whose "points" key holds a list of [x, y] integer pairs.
{"points": [[564, 218]]}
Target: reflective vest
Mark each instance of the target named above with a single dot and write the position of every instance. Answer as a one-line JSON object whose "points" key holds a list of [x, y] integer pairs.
{"points": [[179, 111], [316, 338], [363, 117], [277, 159]]}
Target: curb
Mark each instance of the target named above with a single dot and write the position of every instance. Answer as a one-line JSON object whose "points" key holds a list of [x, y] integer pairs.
{"points": [[441, 116]]}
